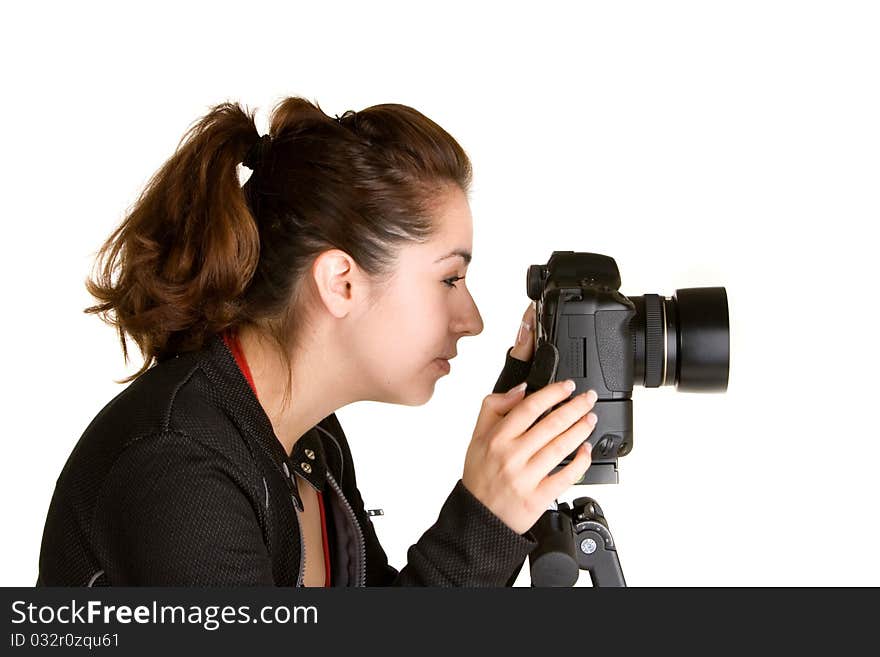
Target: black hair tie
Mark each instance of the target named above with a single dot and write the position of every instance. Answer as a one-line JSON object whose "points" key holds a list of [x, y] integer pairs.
{"points": [[257, 152], [345, 115]]}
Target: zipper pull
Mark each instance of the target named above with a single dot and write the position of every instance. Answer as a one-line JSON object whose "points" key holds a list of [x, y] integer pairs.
{"points": [[375, 512], [291, 486]]}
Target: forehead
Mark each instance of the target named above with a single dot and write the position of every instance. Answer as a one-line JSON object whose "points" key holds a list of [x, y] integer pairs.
{"points": [[453, 221]]}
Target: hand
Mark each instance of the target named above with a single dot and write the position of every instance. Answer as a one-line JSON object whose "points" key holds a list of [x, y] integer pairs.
{"points": [[508, 459]]}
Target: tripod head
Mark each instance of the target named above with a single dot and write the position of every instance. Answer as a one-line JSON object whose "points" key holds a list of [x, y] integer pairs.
{"points": [[571, 539]]}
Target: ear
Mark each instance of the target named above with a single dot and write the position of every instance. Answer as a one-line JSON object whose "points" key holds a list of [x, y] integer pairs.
{"points": [[339, 281]]}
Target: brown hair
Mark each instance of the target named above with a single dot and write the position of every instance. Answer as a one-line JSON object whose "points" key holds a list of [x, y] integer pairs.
{"points": [[199, 252]]}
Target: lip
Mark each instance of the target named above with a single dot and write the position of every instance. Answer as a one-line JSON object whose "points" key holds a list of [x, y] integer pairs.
{"points": [[444, 364]]}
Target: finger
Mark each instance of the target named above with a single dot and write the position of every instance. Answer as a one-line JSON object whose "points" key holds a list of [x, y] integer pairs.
{"points": [[552, 454], [524, 413], [555, 423], [524, 348], [556, 484]]}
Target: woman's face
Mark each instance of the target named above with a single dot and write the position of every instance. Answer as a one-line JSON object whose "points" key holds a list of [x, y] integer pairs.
{"points": [[422, 314]]}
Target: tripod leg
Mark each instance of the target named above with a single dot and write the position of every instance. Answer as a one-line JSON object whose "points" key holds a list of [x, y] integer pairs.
{"points": [[553, 562], [594, 545]]}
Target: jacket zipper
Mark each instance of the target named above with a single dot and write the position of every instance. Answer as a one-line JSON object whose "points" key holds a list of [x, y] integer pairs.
{"points": [[363, 564], [302, 545], [361, 576]]}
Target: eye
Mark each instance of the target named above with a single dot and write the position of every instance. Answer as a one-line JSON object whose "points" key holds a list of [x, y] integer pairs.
{"points": [[450, 282]]}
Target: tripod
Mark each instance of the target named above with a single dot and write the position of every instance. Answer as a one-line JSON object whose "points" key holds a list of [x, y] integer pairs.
{"points": [[571, 539]]}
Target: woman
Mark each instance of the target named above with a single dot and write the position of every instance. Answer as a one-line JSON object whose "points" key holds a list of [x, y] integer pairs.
{"points": [[329, 277]]}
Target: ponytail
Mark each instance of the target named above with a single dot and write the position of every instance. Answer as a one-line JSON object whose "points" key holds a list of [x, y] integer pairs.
{"points": [[189, 247]]}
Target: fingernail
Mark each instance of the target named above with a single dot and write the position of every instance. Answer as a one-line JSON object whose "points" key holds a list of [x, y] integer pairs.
{"points": [[523, 334], [515, 390], [570, 385]]}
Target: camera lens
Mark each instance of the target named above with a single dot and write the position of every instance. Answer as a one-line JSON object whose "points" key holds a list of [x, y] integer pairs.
{"points": [[684, 340]]}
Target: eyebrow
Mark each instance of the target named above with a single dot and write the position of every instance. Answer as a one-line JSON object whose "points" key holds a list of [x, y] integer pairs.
{"points": [[457, 252]]}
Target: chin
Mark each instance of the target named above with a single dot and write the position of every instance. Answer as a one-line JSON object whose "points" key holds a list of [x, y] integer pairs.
{"points": [[412, 396], [419, 395], [417, 391]]}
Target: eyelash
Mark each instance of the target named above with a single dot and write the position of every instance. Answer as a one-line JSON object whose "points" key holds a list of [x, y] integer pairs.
{"points": [[449, 281]]}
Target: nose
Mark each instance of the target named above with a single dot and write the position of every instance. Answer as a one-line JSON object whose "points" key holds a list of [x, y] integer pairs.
{"points": [[472, 321]]}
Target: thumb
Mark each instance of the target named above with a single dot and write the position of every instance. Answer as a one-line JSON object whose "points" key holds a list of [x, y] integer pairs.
{"points": [[500, 404], [506, 401], [524, 349]]}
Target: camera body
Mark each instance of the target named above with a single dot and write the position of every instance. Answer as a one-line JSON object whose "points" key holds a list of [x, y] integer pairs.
{"points": [[589, 332]]}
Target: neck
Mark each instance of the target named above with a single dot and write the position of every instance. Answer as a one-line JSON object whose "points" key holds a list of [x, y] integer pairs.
{"points": [[315, 390]]}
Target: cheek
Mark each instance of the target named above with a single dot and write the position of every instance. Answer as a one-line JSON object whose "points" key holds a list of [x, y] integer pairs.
{"points": [[416, 334], [409, 326]]}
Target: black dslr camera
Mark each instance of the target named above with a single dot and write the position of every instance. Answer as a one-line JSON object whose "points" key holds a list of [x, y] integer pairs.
{"points": [[589, 332]]}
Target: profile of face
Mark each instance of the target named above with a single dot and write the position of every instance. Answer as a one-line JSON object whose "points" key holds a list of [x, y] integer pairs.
{"points": [[422, 313]]}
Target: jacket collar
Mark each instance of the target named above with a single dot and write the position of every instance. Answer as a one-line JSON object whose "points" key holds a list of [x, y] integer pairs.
{"points": [[233, 393]]}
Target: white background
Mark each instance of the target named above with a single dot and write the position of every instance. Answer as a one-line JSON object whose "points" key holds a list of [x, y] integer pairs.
{"points": [[697, 143]]}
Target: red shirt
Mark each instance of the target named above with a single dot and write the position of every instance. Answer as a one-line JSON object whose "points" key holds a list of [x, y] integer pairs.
{"points": [[231, 340]]}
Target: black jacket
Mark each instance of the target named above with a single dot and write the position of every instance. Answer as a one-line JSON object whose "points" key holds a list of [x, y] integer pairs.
{"points": [[180, 480]]}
